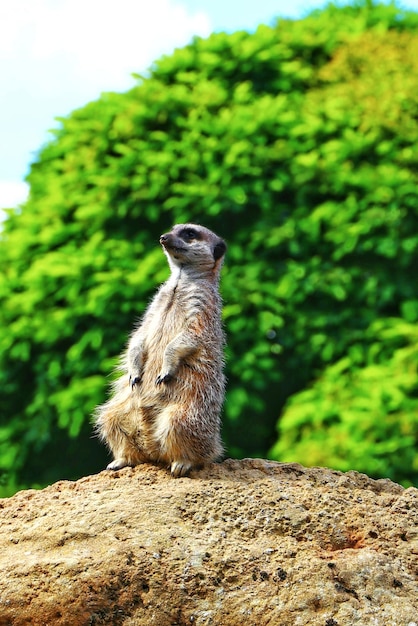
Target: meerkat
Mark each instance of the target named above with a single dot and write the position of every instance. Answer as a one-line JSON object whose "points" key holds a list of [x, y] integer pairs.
{"points": [[166, 403]]}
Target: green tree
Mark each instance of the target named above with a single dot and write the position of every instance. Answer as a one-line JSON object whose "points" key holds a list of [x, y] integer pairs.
{"points": [[362, 411], [298, 144]]}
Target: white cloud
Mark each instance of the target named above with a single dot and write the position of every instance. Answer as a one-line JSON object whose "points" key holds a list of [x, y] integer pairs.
{"points": [[93, 42], [56, 55], [12, 193]]}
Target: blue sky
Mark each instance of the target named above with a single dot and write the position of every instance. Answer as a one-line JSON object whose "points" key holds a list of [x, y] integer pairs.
{"points": [[57, 55]]}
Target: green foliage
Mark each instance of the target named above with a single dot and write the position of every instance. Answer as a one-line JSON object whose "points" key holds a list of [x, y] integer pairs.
{"points": [[362, 413], [298, 144]]}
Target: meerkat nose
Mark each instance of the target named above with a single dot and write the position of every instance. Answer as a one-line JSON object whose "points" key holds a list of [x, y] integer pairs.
{"points": [[163, 238]]}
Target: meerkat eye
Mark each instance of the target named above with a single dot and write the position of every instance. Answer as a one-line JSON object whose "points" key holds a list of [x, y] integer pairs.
{"points": [[188, 234]]}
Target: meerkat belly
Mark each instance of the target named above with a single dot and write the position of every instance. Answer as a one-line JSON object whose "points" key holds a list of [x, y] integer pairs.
{"points": [[160, 332]]}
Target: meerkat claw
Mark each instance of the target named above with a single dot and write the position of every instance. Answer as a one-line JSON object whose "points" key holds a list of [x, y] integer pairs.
{"points": [[118, 464], [134, 380], [180, 468], [163, 378]]}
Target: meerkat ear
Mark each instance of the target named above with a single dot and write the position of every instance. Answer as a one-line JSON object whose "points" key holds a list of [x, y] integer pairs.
{"points": [[219, 249]]}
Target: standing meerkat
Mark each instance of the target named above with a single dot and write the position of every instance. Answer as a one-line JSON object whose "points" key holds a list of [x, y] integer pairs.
{"points": [[166, 404]]}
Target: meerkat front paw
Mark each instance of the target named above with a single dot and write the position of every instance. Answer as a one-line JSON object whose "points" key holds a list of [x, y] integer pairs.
{"points": [[180, 468], [134, 380], [163, 378]]}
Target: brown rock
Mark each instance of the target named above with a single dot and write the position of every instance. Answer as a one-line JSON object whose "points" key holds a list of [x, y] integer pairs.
{"points": [[243, 542]]}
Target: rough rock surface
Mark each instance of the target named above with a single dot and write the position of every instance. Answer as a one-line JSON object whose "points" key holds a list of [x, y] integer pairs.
{"points": [[244, 542]]}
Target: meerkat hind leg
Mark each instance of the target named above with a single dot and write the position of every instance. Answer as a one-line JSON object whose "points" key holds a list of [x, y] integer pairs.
{"points": [[118, 464]]}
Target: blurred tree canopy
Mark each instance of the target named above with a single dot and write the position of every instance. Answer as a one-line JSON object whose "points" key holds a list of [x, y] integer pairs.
{"points": [[298, 144]]}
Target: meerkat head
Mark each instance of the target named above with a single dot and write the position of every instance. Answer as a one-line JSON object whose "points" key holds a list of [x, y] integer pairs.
{"points": [[194, 247]]}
